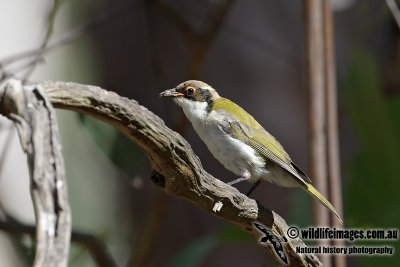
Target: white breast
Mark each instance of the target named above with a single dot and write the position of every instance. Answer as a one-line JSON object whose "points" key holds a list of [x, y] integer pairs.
{"points": [[232, 153]]}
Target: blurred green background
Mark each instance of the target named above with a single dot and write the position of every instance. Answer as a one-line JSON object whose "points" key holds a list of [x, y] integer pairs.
{"points": [[253, 56]]}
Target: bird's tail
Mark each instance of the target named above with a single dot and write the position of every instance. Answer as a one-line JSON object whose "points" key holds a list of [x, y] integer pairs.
{"points": [[317, 195]]}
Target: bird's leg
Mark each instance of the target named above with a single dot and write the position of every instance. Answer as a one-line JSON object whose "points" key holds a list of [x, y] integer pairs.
{"points": [[254, 186], [237, 181], [246, 175]]}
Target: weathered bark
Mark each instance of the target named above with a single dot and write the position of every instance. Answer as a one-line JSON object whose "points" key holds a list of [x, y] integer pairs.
{"points": [[177, 169], [315, 73], [35, 120]]}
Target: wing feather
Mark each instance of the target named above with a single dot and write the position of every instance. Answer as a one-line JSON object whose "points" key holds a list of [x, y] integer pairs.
{"points": [[265, 144]]}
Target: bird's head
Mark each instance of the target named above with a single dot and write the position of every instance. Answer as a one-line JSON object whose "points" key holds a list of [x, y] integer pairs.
{"points": [[196, 94]]}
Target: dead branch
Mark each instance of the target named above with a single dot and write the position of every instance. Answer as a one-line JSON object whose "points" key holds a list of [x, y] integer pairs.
{"points": [[95, 247], [177, 169], [315, 72], [35, 120], [333, 157]]}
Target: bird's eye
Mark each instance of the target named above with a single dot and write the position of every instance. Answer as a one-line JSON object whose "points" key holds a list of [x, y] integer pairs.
{"points": [[190, 90]]}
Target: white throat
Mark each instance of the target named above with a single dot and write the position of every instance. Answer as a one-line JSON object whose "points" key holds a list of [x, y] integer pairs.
{"points": [[195, 111]]}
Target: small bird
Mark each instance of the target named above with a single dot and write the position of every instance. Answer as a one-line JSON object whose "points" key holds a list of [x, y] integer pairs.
{"points": [[238, 141]]}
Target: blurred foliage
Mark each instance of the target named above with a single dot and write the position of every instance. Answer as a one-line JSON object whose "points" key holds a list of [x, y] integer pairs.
{"points": [[121, 151], [300, 215], [197, 251], [372, 197], [26, 248], [232, 234]]}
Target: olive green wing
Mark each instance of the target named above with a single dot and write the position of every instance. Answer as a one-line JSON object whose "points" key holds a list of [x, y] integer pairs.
{"points": [[265, 144], [241, 125], [270, 148]]}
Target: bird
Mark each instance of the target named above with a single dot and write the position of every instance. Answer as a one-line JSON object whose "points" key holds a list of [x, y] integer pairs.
{"points": [[238, 141]]}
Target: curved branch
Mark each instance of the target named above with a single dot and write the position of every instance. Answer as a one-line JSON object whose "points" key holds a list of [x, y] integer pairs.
{"points": [[178, 169], [172, 157]]}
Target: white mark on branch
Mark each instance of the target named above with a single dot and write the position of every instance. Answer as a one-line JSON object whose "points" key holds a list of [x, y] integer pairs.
{"points": [[59, 184], [47, 221], [217, 206]]}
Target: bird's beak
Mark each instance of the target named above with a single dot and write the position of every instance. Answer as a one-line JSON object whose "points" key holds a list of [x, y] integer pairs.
{"points": [[171, 92]]}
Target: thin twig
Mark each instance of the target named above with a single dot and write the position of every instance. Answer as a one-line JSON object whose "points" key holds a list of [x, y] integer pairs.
{"points": [[50, 27], [6, 148], [395, 11], [95, 247], [28, 64], [66, 38], [335, 183], [313, 20]]}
